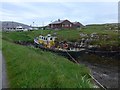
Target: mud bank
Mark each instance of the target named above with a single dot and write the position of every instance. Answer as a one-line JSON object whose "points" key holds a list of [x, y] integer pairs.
{"points": [[106, 75]]}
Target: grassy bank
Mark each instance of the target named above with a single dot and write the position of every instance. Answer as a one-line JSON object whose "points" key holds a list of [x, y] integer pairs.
{"points": [[68, 35], [30, 35], [28, 67]]}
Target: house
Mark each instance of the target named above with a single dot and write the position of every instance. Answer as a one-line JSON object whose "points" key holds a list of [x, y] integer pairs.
{"points": [[77, 25], [14, 26], [63, 24], [19, 28], [60, 24]]}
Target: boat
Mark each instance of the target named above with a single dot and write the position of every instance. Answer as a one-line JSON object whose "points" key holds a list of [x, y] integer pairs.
{"points": [[50, 43]]}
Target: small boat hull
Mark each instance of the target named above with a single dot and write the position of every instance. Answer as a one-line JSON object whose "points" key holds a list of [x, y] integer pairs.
{"points": [[62, 52]]}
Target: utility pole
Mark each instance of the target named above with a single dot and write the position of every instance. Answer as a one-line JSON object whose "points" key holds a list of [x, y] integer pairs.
{"points": [[33, 23]]}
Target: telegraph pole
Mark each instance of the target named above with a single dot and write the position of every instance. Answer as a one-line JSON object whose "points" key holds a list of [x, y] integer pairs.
{"points": [[33, 23]]}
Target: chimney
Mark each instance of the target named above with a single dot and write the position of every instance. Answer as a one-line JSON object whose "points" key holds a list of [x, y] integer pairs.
{"points": [[58, 19]]}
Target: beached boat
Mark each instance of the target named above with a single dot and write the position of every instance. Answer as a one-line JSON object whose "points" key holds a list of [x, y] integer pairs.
{"points": [[49, 43]]}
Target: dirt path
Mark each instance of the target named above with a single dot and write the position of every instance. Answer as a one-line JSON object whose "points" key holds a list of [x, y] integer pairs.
{"points": [[0, 70], [107, 76], [4, 74]]}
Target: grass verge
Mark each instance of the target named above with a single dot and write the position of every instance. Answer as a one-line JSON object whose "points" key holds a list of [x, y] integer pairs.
{"points": [[66, 34], [28, 67]]}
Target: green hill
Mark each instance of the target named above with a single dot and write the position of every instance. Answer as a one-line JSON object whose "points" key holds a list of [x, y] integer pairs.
{"points": [[66, 34], [29, 67], [34, 68]]}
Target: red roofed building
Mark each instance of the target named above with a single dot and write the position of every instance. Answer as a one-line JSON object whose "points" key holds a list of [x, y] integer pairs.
{"points": [[62, 24]]}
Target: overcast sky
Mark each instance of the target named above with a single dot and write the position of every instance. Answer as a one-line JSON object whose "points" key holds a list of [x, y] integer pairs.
{"points": [[42, 13]]}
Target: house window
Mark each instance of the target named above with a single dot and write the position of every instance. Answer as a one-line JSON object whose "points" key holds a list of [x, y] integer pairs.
{"points": [[70, 25], [66, 25]]}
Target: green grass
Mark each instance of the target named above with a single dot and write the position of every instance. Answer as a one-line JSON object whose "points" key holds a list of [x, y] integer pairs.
{"points": [[68, 35], [30, 35], [16, 36], [29, 67]]}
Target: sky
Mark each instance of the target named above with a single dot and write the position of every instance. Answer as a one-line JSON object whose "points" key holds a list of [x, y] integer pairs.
{"points": [[43, 13]]}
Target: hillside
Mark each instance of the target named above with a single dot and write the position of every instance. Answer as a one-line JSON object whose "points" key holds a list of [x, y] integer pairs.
{"points": [[107, 26], [11, 25], [69, 35], [29, 67]]}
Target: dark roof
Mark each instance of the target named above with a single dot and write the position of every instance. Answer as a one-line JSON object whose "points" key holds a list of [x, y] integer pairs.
{"points": [[11, 24], [58, 22], [77, 23], [61, 21]]}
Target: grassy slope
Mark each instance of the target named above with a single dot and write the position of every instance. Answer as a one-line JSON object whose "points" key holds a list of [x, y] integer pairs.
{"points": [[33, 68], [70, 35], [30, 35]]}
